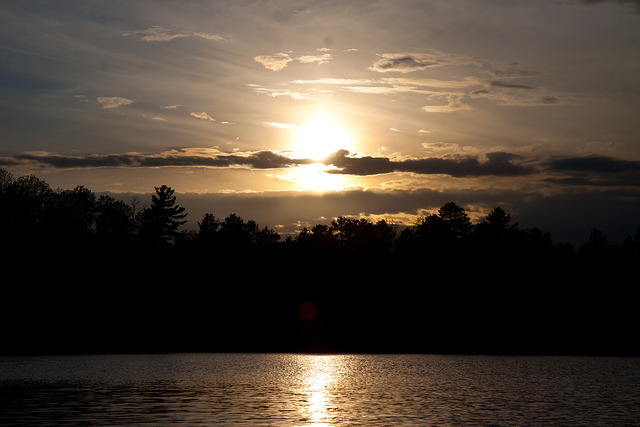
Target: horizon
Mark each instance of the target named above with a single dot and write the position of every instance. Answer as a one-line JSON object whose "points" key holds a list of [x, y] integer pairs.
{"points": [[293, 113]]}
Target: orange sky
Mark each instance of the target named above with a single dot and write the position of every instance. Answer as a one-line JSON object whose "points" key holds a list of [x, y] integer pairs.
{"points": [[401, 106]]}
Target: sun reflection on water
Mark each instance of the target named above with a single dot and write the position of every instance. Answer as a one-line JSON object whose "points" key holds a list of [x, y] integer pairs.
{"points": [[322, 373]]}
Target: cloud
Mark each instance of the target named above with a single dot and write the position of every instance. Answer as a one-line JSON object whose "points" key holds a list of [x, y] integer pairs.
{"points": [[334, 81], [454, 103], [389, 86], [595, 171], [113, 101], [280, 60], [601, 164], [278, 92], [510, 85], [409, 62], [280, 125], [400, 63], [213, 37], [174, 158], [314, 59], [433, 83], [202, 116], [161, 34], [449, 95], [514, 70], [497, 164], [274, 62]]}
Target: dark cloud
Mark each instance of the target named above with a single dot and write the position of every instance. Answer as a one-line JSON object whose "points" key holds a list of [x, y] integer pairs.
{"points": [[402, 63], [498, 163], [514, 70], [259, 160], [549, 100], [566, 171], [595, 170], [600, 164], [510, 85]]}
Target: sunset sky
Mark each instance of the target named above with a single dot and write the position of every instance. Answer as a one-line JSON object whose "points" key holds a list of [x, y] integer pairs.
{"points": [[291, 113]]}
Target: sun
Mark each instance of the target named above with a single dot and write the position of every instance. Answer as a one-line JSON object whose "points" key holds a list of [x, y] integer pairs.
{"points": [[320, 137]]}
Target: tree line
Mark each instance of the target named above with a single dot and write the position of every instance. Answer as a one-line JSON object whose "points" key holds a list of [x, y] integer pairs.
{"points": [[31, 212], [86, 272]]}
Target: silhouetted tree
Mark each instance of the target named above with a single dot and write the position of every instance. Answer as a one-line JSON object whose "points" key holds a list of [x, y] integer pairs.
{"points": [[234, 235], [319, 242], [114, 220], [631, 245], [24, 202], [266, 238], [440, 234], [323, 233], [160, 222], [208, 226], [33, 217], [596, 248], [455, 218], [352, 232], [496, 224], [206, 236], [71, 213], [597, 242], [432, 229], [495, 238]]}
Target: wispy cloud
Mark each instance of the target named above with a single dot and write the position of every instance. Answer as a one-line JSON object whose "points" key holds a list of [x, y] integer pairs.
{"points": [[453, 95], [280, 125], [108, 102], [274, 62], [202, 116], [161, 34], [409, 62], [513, 70], [279, 61], [314, 59], [455, 102], [278, 92]]}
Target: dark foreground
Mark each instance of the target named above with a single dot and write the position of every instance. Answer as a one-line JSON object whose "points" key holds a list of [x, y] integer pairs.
{"points": [[287, 304], [89, 274]]}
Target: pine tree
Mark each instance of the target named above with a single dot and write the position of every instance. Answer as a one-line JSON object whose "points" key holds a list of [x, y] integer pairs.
{"points": [[160, 221]]}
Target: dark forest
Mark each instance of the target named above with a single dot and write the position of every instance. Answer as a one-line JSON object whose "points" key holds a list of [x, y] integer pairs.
{"points": [[86, 273]]}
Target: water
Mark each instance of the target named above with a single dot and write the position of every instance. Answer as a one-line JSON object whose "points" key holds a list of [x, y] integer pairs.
{"points": [[310, 390]]}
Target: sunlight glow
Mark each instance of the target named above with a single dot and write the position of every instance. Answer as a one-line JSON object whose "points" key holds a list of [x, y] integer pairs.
{"points": [[321, 136], [314, 177], [321, 375]]}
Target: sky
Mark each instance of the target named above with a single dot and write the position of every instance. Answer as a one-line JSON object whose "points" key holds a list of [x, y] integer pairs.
{"points": [[292, 113]]}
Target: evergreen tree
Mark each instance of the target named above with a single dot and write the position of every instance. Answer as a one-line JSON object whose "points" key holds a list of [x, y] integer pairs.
{"points": [[456, 219], [160, 222]]}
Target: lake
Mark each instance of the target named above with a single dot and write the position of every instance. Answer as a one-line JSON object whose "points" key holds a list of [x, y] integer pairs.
{"points": [[210, 389]]}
